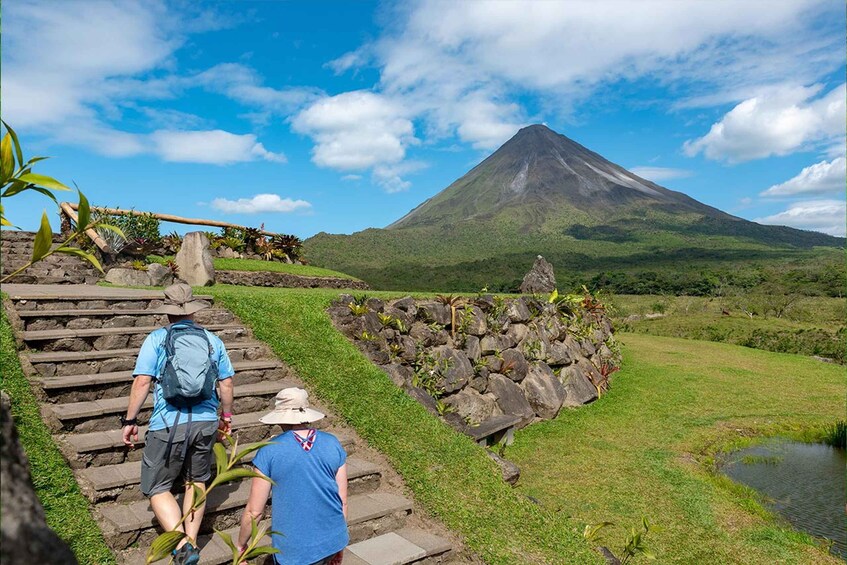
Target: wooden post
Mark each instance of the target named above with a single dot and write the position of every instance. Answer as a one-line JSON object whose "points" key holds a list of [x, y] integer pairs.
{"points": [[68, 209]]}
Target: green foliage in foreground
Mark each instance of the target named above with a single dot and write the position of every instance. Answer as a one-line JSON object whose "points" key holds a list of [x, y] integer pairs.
{"points": [[223, 264], [647, 448], [447, 472], [65, 507]]}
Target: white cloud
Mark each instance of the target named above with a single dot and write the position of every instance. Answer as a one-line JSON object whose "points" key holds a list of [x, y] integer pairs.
{"points": [[214, 147], [820, 178], [243, 84], [657, 174], [776, 123], [260, 203], [825, 216], [389, 177], [351, 178]]}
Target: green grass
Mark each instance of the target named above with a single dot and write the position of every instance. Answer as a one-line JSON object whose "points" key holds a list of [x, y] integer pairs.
{"points": [[447, 472], [270, 266], [65, 507], [648, 447]]}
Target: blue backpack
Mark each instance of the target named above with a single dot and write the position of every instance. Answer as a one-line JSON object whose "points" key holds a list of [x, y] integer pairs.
{"points": [[190, 372]]}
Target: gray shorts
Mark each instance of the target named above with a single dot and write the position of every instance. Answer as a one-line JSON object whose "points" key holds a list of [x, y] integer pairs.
{"points": [[192, 461]]}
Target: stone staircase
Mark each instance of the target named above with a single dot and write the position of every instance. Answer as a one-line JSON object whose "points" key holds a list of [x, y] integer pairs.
{"points": [[60, 268], [80, 347]]}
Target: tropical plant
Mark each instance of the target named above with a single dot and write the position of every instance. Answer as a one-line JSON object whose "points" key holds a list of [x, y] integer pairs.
{"points": [[139, 265], [171, 243], [367, 336], [17, 177], [385, 319], [633, 545], [172, 266], [229, 469], [289, 244], [358, 309], [401, 327]]}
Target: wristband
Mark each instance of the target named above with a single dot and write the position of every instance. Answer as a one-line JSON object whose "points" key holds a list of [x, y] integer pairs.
{"points": [[226, 416], [131, 422]]}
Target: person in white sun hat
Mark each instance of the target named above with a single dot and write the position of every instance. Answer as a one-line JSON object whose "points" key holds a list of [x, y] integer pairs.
{"points": [[309, 470]]}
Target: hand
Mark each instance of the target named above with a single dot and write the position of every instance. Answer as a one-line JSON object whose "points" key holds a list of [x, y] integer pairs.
{"points": [[224, 429], [336, 559], [130, 431]]}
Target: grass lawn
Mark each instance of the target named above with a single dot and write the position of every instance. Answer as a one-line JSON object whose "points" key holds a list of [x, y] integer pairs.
{"points": [[448, 473], [65, 507], [222, 264], [647, 447]]}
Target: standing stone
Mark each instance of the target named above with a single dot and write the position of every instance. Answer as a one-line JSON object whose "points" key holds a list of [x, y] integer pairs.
{"points": [[543, 391], [540, 279], [195, 260], [510, 398], [26, 538]]}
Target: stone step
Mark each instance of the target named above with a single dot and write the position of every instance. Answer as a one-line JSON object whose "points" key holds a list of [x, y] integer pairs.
{"points": [[95, 386], [45, 335], [127, 524], [72, 356], [94, 415], [18, 293], [121, 482]]}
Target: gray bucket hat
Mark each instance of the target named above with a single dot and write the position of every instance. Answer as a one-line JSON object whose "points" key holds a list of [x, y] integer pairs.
{"points": [[180, 301]]}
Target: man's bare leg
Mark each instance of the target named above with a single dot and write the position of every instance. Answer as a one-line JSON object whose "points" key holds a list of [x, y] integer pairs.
{"points": [[167, 512], [193, 519]]}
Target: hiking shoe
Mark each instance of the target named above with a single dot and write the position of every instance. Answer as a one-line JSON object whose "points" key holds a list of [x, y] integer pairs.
{"points": [[187, 555]]}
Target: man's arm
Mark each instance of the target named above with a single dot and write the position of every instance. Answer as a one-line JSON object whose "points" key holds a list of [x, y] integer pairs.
{"points": [[225, 388], [137, 396]]}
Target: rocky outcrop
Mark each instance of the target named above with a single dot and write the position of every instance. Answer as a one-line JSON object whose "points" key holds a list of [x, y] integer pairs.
{"points": [[26, 538], [540, 279], [195, 260], [285, 280]]}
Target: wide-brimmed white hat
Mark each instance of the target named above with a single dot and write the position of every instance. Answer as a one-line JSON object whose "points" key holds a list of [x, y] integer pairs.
{"points": [[180, 301], [291, 406]]}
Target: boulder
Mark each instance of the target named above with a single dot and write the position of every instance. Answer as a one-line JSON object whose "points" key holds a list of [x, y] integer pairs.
{"points": [[227, 252], [477, 325], [26, 538], [563, 352], [195, 260], [434, 312], [518, 311], [409, 352], [159, 275], [519, 366], [496, 343], [510, 398], [407, 305], [406, 318], [543, 391], [375, 304], [401, 375], [486, 302], [424, 398], [422, 334], [517, 332], [472, 348], [458, 368], [579, 389], [540, 279], [508, 470], [471, 405], [128, 277]]}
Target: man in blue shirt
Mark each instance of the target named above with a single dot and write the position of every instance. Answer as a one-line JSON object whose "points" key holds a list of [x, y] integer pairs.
{"points": [[185, 449], [309, 470]]}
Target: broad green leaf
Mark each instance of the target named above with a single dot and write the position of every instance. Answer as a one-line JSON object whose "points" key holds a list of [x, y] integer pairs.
{"points": [[227, 539], [590, 532], [34, 160], [43, 180], [17, 143], [15, 187], [7, 161], [82, 255], [254, 529], [43, 191], [261, 550], [553, 296], [220, 457], [243, 453], [83, 213], [43, 239], [5, 222], [163, 545], [235, 475]]}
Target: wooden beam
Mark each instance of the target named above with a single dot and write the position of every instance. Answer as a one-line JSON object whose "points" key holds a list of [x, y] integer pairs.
{"points": [[168, 218], [69, 211]]}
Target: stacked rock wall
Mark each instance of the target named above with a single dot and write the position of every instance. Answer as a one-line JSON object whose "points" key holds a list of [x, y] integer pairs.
{"points": [[470, 359]]}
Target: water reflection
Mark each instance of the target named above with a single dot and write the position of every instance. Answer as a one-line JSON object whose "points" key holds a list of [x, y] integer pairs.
{"points": [[804, 482]]}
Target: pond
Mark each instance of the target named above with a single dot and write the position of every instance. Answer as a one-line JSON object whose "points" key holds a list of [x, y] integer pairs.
{"points": [[804, 482]]}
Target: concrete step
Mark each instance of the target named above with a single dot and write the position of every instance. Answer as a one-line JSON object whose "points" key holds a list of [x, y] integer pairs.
{"points": [[94, 415], [127, 524], [74, 356], [35, 320], [96, 386], [401, 547], [18, 292], [120, 483], [45, 335]]}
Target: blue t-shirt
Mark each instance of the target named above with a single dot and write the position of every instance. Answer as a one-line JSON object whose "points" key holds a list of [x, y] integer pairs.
{"points": [[151, 361], [306, 506]]}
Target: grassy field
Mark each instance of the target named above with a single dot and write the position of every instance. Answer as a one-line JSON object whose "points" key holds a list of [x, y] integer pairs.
{"points": [[810, 326], [271, 266], [647, 448], [65, 507]]}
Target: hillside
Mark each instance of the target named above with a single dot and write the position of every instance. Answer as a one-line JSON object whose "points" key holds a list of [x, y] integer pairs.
{"points": [[542, 193]]}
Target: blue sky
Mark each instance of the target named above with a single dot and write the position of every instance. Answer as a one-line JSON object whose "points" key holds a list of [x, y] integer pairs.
{"points": [[338, 116]]}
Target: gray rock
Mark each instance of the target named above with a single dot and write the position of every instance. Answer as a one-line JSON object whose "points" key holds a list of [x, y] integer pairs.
{"points": [[510, 398], [406, 318], [422, 334], [159, 275], [407, 305], [496, 343], [26, 538], [459, 369], [128, 277], [471, 405], [434, 312], [195, 260], [227, 252], [579, 389], [519, 366], [486, 302], [375, 304], [477, 325], [479, 382], [518, 311], [543, 391], [472, 348], [540, 279], [409, 351], [401, 375], [509, 471], [517, 332], [422, 397], [559, 354]]}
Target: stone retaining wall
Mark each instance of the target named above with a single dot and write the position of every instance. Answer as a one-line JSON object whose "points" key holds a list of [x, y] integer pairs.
{"points": [[469, 360], [285, 280]]}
